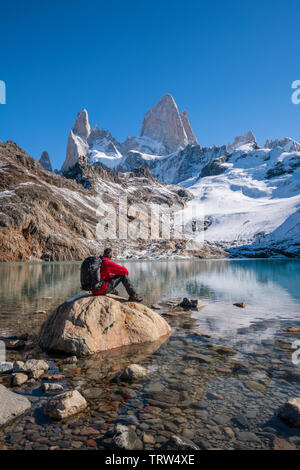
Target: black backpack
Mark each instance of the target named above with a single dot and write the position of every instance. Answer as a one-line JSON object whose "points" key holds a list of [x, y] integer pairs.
{"points": [[90, 273]]}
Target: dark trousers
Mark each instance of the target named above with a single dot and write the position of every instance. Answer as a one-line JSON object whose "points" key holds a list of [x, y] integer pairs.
{"points": [[115, 281]]}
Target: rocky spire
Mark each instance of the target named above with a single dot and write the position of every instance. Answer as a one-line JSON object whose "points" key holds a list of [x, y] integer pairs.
{"points": [[187, 127], [163, 124], [45, 161], [82, 125], [77, 140]]}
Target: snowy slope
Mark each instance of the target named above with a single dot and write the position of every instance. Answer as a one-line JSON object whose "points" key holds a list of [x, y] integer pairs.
{"points": [[254, 206]]}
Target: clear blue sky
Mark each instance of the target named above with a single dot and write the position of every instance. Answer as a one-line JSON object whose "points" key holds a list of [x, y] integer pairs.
{"points": [[229, 63]]}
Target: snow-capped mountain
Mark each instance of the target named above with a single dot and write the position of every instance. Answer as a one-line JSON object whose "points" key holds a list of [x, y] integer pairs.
{"points": [[164, 130], [249, 194]]}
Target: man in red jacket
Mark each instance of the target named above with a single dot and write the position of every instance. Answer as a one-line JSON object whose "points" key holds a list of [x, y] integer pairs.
{"points": [[113, 273]]}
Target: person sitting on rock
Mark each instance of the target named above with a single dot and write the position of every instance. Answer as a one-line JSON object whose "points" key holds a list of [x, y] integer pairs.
{"points": [[113, 274]]}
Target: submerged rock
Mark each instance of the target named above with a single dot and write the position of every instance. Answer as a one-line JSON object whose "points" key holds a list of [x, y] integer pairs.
{"points": [[191, 304], [51, 387], [179, 443], [12, 405], [290, 412], [126, 438], [65, 404], [134, 372], [87, 325]]}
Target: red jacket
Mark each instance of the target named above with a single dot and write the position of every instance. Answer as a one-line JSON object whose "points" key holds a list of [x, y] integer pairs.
{"points": [[108, 270]]}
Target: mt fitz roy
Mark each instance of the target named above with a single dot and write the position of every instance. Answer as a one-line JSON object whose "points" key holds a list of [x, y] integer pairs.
{"points": [[243, 198], [249, 194]]}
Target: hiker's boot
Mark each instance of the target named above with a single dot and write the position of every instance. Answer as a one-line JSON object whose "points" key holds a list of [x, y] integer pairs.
{"points": [[135, 298]]}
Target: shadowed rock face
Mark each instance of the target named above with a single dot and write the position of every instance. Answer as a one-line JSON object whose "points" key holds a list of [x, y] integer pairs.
{"points": [[45, 161], [88, 325], [188, 129]]}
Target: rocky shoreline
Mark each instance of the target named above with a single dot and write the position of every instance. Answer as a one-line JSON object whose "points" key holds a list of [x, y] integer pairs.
{"points": [[137, 400]]}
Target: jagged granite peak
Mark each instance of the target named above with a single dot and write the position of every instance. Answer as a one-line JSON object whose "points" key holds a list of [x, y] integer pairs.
{"points": [[45, 161], [98, 135], [82, 126], [77, 140], [188, 128], [163, 123], [247, 139], [287, 144]]}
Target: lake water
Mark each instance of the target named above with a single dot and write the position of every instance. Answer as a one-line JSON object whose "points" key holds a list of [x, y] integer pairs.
{"points": [[229, 402]]}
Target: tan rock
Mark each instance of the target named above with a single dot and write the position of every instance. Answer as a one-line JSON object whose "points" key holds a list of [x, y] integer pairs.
{"points": [[65, 404], [163, 124], [19, 379], [92, 324], [283, 444], [292, 329]]}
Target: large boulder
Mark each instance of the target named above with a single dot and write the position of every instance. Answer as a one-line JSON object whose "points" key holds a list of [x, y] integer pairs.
{"points": [[86, 325], [12, 405]]}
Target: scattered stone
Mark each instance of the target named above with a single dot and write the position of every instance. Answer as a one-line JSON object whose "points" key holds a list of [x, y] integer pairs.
{"points": [[246, 436], [179, 443], [229, 432], [292, 329], [51, 388], [282, 444], [240, 304], [223, 370], [18, 379], [148, 438], [53, 377], [6, 367], [191, 304], [35, 368], [198, 357], [290, 412], [214, 396], [12, 405], [126, 438], [65, 404], [198, 333], [36, 374], [156, 307], [71, 360], [91, 443], [223, 350], [134, 372]]}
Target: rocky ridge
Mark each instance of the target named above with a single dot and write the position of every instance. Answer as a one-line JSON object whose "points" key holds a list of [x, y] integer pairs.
{"points": [[45, 216]]}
